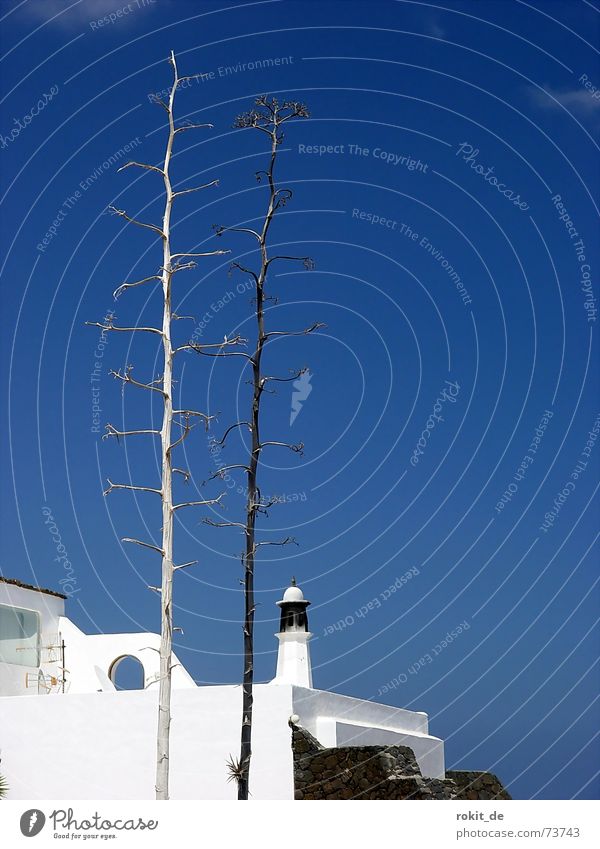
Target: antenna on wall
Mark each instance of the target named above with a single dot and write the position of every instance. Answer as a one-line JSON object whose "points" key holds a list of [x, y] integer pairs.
{"points": [[51, 653]]}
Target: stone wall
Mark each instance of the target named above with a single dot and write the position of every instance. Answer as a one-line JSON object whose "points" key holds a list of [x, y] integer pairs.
{"points": [[477, 785], [377, 772]]}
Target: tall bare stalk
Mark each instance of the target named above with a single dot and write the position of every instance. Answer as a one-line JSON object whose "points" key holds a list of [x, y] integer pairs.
{"points": [[268, 117], [183, 420]]}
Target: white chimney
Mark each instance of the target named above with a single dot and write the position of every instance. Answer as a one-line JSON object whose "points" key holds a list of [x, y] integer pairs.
{"points": [[293, 658]]}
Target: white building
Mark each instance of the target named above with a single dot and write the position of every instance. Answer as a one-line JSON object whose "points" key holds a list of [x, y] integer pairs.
{"points": [[66, 732]]}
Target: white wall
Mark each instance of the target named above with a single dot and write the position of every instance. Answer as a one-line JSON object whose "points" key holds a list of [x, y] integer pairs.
{"points": [[90, 658], [14, 677], [310, 704], [87, 658], [102, 745], [337, 720]]}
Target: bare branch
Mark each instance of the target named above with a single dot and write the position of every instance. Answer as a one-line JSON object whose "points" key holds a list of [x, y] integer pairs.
{"points": [[120, 289], [182, 266], [263, 506], [142, 165], [186, 413], [111, 327], [144, 545], [297, 448], [206, 503], [214, 524], [186, 428], [219, 230], [297, 110], [244, 270], [294, 376], [221, 472], [192, 77], [196, 189], [286, 541], [309, 264], [199, 348], [184, 472], [112, 486], [190, 126], [270, 114], [155, 99], [317, 326], [127, 378], [185, 565], [228, 431], [123, 214], [281, 197], [235, 340], [111, 431], [206, 253]]}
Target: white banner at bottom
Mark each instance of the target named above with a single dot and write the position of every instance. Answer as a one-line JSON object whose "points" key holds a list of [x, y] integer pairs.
{"points": [[269, 825]]}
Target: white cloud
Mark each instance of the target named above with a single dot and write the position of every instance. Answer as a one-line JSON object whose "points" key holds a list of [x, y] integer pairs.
{"points": [[577, 100], [71, 15], [436, 30], [433, 27]]}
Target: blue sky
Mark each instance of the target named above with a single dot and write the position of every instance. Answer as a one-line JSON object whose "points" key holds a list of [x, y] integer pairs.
{"points": [[471, 125]]}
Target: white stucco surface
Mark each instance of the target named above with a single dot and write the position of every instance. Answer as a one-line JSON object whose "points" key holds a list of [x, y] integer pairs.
{"points": [[102, 745], [103, 651], [293, 659], [88, 659]]}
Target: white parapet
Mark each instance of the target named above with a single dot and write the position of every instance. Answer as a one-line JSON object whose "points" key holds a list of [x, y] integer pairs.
{"points": [[337, 720], [103, 745]]}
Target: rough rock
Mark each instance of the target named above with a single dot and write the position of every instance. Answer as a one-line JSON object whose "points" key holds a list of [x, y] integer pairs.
{"points": [[378, 772]]}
